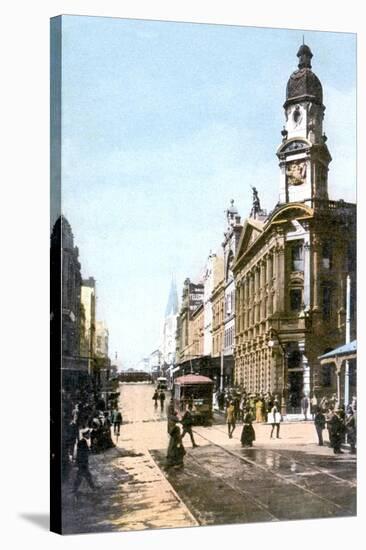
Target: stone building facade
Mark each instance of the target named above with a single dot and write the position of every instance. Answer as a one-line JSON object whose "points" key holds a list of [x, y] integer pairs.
{"points": [[196, 343], [88, 302], [218, 302], [213, 274], [291, 266], [66, 318], [71, 291], [192, 300], [230, 244], [101, 339]]}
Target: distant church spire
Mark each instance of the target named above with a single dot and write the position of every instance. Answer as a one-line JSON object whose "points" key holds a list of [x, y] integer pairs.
{"points": [[172, 305]]}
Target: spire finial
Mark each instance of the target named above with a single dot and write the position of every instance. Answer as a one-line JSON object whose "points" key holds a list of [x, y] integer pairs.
{"points": [[304, 54]]}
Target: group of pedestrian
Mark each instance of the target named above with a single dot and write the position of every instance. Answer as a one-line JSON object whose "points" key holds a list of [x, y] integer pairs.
{"points": [[159, 396], [341, 426], [87, 429], [100, 433], [248, 416], [259, 404]]}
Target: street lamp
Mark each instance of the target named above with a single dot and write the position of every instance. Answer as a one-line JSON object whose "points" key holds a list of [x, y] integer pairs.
{"points": [[271, 344]]}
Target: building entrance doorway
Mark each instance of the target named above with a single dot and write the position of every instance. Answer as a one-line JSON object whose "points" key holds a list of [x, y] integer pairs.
{"points": [[295, 383]]}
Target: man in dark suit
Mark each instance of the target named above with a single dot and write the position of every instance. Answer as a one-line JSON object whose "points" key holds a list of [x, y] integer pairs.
{"points": [[82, 462], [319, 422], [187, 423]]}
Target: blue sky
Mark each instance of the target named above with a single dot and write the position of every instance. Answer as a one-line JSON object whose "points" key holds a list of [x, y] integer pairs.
{"points": [[162, 124]]}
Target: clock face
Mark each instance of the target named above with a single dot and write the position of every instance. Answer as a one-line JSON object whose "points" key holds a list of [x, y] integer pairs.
{"points": [[296, 172]]}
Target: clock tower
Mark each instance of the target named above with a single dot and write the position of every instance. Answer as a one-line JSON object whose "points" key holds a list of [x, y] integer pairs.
{"points": [[303, 153]]}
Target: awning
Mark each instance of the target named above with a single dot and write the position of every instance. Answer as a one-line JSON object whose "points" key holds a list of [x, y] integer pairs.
{"points": [[192, 379], [347, 351]]}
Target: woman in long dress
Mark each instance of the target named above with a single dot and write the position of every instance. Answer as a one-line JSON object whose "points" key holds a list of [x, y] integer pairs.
{"points": [[176, 450], [259, 410], [248, 433]]}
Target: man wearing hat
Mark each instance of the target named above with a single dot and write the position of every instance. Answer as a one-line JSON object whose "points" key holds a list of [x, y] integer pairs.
{"points": [[82, 462]]}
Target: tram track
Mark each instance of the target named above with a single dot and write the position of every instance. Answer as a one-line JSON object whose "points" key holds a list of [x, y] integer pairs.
{"points": [[277, 453], [281, 477], [247, 494]]}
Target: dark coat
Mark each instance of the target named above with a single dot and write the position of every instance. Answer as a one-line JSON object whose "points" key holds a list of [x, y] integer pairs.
{"points": [[82, 455], [176, 450], [319, 420], [336, 431], [351, 429], [248, 433], [187, 420]]}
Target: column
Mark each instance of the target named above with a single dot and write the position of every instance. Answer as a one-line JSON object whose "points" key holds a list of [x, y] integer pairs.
{"points": [[315, 273], [262, 288], [279, 263], [269, 270], [306, 274]]}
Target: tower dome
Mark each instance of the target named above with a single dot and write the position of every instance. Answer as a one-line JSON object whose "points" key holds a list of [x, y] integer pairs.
{"points": [[303, 83]]}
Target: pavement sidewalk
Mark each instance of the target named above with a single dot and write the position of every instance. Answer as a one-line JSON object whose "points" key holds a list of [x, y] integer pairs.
{"points": [[132, 494]]}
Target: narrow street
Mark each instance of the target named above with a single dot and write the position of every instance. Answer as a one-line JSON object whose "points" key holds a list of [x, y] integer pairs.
{"points": [[221, 483]]}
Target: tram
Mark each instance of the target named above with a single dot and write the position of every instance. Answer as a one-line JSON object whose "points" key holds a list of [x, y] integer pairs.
{"points": [[194, 391], [162, 383]]}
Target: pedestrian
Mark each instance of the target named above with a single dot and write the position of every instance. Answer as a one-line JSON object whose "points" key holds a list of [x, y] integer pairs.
{"points": [[71, 437], [319, 422], [354, 403], [176, 450], [242, 407], [268, 404], [107, 442], [187, 423], [248, 433], [313, 406], [171, 414], [275, 418], [328, 418], [252, 403], [230, 419], [75, 414], [162, 399], [350, 424], [221, 401], [82, 462], [259, 404], [324, 404], [155, 398], [305, 406], [117, 421], [236, 401], [337, 430], [95, 436]]}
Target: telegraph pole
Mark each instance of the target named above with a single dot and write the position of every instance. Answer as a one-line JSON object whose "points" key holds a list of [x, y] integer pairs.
{"points": [[348, 339]]}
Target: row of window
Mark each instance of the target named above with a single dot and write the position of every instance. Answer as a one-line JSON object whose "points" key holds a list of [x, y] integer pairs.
{"points": [[230, 303], [229, 337], [261, 310], [327, 256]]}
